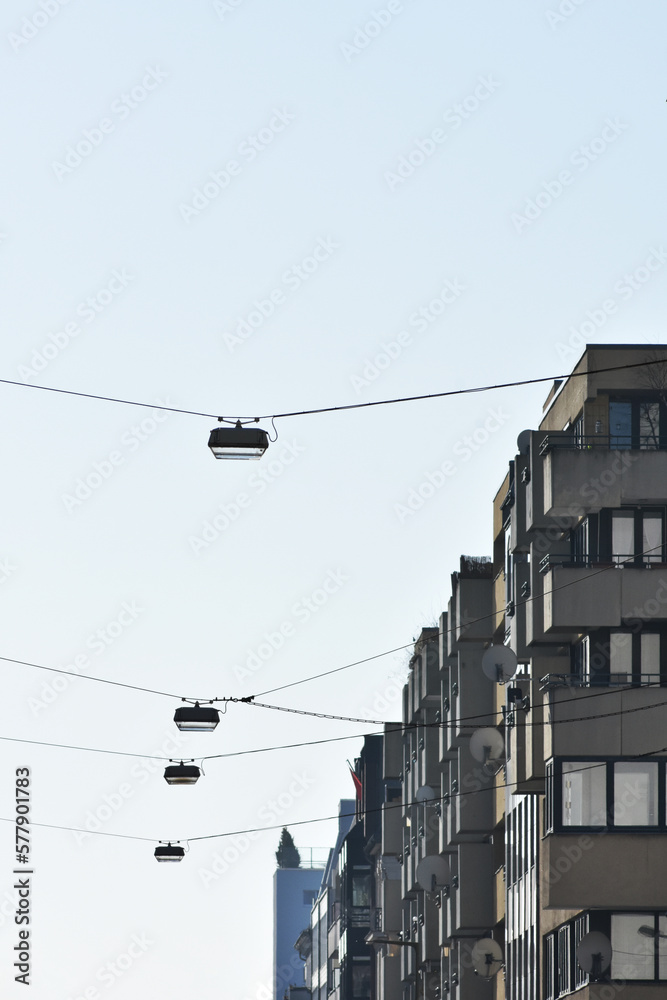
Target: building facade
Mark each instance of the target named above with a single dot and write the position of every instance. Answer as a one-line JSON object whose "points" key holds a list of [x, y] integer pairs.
{"points": [[521, 804]]}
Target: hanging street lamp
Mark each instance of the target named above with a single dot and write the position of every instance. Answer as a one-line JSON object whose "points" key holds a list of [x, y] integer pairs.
{"points": [[169, 852], [181, 774], [238, 442], [197, 718]]}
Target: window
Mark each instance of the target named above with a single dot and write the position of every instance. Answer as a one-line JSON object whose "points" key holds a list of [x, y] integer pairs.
{"points": [[633, 949], [637, 537], [361, 978], [626, 536], [621, 656], [581, 927], [635, 424], [564, 961], [635, 793], [361, 887], [309, 896], [621, 794], [622, 537], [583, 794]]}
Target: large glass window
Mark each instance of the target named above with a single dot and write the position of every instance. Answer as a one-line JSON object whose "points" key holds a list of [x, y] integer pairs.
{"points": [[549, 967], [361, 978], [620, 657], [635, 793], [564, 961], [584, 794], [622, 537], [581, 927], [635, 423], [361, 888], [651, 551], [649, 425], [618, 794], [620, 424], [632, 946]]}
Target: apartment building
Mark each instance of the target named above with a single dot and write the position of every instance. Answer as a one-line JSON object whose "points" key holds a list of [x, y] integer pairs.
{"points": [[528, 858]]}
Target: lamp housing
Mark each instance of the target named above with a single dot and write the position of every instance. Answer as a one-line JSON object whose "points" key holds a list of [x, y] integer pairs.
{"points": [[182, 774], [197, 718], [169, 852], [238, 442]]}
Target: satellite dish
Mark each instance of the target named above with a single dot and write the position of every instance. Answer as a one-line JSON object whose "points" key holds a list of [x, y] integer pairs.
{"points": [[523, 442], [499, 663], [487, 956], [433, 872], [487, 744], [594, 953], [425, 794]]}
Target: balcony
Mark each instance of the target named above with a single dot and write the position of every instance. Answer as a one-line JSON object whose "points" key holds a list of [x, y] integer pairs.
{"points": [[589, 596], [587, 473], [604, 871], [624, 722]]}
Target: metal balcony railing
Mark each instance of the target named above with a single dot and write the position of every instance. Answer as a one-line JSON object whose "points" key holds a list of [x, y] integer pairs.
{"points": [[605, 679], [609, 442]]}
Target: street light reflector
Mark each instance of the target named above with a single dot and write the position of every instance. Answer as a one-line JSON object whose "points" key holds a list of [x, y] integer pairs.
{"points": [[238, 442], [169, 852], [197, 718], [181, 774]]}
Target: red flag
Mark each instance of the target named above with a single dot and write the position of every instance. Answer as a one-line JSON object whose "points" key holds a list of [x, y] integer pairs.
{"points": [[356, 779]]}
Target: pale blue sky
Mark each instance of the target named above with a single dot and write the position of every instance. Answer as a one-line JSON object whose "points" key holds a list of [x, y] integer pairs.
{"points": [[180, 93]]}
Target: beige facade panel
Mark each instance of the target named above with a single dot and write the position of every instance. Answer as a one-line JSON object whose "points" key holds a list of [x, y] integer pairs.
{"points": [[578, 598], [604, 870], [473, 610], [578, 481], [626, 990], [617, 723]]}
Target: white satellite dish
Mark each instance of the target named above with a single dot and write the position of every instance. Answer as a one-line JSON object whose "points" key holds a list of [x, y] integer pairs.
{"points": [[487, 744], [594, 953], [425, 794], [487, 956], [433, 872], [523, 442], [499, 663]]}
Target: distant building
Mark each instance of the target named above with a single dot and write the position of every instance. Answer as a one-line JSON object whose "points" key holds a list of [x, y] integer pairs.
{"points": [[294, 892]]}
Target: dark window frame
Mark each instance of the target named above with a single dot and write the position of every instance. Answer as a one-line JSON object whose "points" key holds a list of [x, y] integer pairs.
{"points": [[554, 790]]}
